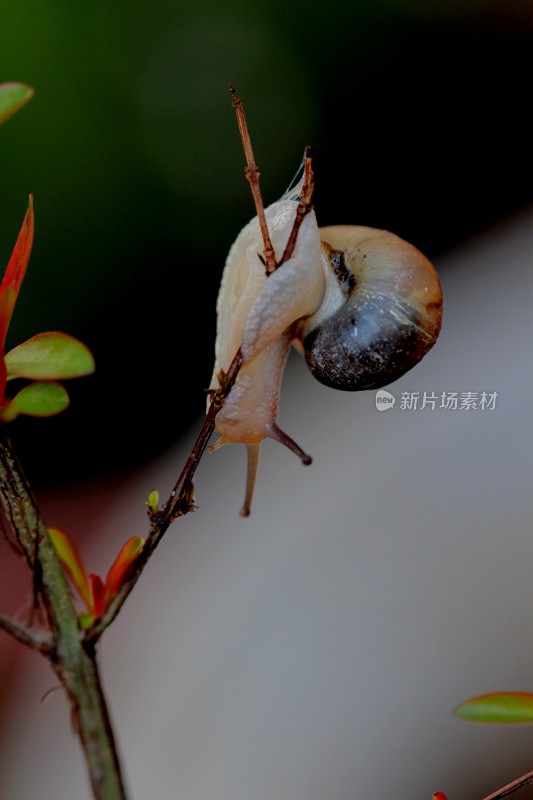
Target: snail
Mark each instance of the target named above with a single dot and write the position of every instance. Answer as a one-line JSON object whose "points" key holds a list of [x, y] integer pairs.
{"points": [[362, 306]]}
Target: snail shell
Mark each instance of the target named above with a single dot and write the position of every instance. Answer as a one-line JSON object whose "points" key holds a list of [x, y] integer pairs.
{"points": [[383, 314], [362, 305]]}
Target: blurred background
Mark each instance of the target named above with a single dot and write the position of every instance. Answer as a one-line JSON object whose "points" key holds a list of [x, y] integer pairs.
{"points": [[316, 650]]}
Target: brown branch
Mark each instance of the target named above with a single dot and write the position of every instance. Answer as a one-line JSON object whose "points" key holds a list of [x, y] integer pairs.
{"points": [[182, 491], [178, 504], [305, 205], [180, 501], [38, 640], [511, 788], [252, 174]]}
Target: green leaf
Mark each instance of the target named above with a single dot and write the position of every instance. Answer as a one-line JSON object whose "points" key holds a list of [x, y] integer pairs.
{"points": [[86, 620], [40, 400], [507, 707], [49, 356], [153, 501], [12, 97]]}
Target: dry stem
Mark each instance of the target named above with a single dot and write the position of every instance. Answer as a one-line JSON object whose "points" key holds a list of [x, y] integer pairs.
{"points": [[511, 788], [180, 501], [252, 174]]}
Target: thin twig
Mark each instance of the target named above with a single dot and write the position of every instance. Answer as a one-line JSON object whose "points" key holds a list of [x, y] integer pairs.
{"points": [[180, 501], [511, 788], [183, 487], [178, 504], [304, 206], [38, 640], [252, 174]]}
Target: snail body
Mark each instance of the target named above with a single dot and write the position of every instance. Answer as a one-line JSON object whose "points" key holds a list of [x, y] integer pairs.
{"points": [[361, 304], [258, 313]]}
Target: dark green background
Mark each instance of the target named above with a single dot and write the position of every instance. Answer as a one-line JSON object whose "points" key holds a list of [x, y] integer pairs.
{"points": [[418, 113]]}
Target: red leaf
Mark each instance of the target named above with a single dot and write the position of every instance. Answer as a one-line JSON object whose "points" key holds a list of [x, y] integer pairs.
{"points": [[10, 286], [97, 587], [119, 570], [15, 271]]}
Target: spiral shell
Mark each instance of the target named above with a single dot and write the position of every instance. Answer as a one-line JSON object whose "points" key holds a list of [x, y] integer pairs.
{"points": [[384, 312]]}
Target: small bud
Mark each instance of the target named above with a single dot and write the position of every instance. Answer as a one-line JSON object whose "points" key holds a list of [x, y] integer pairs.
{"points": [[153, 502]]}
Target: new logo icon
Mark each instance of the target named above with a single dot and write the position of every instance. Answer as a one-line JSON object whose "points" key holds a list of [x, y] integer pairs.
{"points": [[384, 400]]}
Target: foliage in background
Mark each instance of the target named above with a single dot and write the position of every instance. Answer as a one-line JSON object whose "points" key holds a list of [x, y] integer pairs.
{"points": [[12, 97], [46, 357]]}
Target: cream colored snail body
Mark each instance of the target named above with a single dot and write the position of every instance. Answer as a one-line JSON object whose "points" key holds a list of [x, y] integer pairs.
{"points": [[361, 304]]}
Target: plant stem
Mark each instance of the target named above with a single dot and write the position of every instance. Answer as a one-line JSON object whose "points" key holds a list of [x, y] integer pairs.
{"points": [[511, 788], [179, 503], [37, 640], [180, 500], [252, 175], [73, 659], [78, 670]]}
